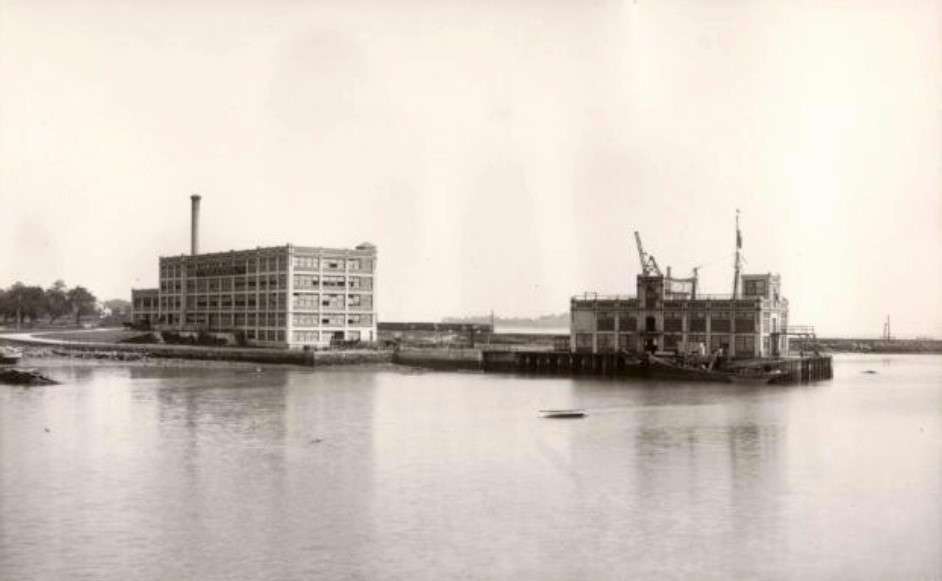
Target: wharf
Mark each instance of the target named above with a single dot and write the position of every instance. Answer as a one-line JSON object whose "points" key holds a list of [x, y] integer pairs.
{"points": [[801, 369]]}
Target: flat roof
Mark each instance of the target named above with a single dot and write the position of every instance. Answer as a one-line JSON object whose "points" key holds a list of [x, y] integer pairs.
{"points": [[365, 249]]}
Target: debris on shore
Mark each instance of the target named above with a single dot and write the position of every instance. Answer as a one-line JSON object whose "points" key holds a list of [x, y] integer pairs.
{"points": [[15, 376]]}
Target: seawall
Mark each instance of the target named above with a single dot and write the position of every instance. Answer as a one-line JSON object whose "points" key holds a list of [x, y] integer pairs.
{"points": [[253, 355], [440, 358]]}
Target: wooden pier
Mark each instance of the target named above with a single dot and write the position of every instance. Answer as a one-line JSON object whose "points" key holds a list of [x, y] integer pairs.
{"points": [[796, 369]]}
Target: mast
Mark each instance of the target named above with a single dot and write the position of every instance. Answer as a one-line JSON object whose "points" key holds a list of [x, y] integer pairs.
{"points": [[738, 267]]}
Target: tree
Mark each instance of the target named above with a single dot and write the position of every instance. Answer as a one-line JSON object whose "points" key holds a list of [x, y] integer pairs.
{"points": [[119, 307], [82, 302], [20, 302], [34, 303], [3, 305], [24, 302], [57, 301]]}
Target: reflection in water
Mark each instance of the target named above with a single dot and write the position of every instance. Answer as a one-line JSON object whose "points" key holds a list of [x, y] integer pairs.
{"points": [[189, 472]]}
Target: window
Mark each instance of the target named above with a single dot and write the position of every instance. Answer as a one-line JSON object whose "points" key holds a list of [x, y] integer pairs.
{"points": [[719, 322], [332, 301], [306, 336], [745, 345], [332, 320], [583, 342], [745, 324], [625, 342], [360, 320], [305, 301], [626, 322], [673, 322], [305, 281], [717, 341], [332, 264], [304, 320], [334, 282], [605, 321], [302, 262], [360, 302], [605, 342], [361, 282], [697, 322]]}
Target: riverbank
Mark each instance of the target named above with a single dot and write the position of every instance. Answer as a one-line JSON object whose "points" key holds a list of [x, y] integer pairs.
{"points": [[38, 347]]}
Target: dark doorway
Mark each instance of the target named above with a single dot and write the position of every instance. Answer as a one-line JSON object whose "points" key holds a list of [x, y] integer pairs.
{"points": [[650, 324]]}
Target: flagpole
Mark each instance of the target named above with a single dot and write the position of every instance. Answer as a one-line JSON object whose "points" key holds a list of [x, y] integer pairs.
{"points": [[738, 268]]}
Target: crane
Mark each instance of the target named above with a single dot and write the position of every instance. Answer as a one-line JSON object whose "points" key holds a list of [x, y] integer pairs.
{"points": [[649, 265]]}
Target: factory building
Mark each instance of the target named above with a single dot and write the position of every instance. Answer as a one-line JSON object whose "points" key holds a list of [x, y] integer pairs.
{"points": [[283, 296], [668, 314]]}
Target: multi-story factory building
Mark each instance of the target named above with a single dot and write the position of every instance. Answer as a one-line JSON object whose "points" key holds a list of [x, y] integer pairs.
{"points": [[283, 296]]}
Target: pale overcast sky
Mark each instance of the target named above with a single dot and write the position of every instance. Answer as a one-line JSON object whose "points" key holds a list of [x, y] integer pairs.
{"points": [[499, 154]]}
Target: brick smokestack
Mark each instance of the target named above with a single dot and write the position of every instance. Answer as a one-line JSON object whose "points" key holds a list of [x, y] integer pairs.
{"points": [[195, 224]]}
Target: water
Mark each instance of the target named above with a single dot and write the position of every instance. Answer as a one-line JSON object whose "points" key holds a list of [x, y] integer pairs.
{"points": [[201, 473]]}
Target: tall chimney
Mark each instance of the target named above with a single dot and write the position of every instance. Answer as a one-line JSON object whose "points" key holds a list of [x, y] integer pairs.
{"points": [[195, 225]]}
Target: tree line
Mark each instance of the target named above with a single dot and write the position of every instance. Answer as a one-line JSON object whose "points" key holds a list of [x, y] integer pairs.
{"points": [[20, 303]]}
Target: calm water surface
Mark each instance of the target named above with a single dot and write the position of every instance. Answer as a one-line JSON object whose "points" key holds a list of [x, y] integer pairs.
{"points": [[196, 473]]}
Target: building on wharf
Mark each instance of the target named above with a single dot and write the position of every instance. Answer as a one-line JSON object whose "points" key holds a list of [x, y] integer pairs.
{"points": [[669, 314]]}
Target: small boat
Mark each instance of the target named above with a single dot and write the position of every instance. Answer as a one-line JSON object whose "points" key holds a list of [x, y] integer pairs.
{"points": [[10, 355], [563, 413]]}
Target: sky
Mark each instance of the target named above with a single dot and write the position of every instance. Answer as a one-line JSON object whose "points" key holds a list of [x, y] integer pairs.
{"points": [[499, 154]]}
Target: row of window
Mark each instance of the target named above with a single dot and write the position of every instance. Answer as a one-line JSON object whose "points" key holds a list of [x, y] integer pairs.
{"points": [[228, 283], [269, 335], [228, 320], [225, 266], [721, 323], [239, 320], [304, 262], [266, 282], [311, 302], [313, 281], [253, 264], [316, 337], [268, 301], [606, 342], [145, 303], [331, 320]]}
